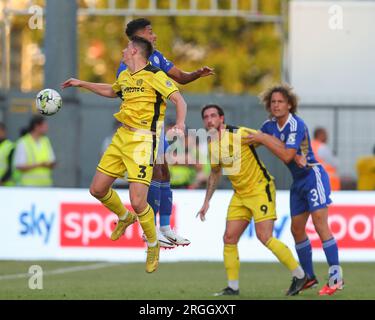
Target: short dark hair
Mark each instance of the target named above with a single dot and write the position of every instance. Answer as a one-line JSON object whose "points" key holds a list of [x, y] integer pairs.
{"points": [[220, 111], [137, 24], [144, 45], [35, 121], [318, 131]]}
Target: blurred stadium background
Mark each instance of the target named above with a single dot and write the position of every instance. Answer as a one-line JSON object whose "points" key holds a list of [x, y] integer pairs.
{"points": [[323, 48]]}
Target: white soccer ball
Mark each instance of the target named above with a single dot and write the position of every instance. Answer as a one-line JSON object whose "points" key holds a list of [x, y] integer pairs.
{"points": [[48, 102]]}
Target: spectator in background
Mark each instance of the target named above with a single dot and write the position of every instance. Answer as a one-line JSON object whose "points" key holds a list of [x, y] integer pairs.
{"points": [[187, 171], [198, 151], [325, 157], [366, 172], [182, 171], [34, 157], [6, 156]]}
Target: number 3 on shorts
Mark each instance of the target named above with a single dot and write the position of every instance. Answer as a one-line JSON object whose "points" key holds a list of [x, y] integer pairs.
{"points": [[142, 172], [314, 197]]}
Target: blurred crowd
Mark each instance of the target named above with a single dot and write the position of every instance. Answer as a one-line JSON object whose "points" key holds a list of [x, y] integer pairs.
{"points": [[30, 160]]}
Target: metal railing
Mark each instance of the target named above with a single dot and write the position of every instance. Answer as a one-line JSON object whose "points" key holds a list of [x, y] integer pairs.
{"points": [[130, 8], [174, 8]]}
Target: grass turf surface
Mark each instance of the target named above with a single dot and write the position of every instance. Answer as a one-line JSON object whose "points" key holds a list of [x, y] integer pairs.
{"points": [[183, 280]]}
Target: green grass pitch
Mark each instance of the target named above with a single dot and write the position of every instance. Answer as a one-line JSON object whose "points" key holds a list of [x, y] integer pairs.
{"points": [[183, 280]]}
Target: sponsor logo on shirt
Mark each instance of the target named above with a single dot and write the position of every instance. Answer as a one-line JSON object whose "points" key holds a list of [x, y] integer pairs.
{"points": [[156, 60], [133, 89], [291, 138]]}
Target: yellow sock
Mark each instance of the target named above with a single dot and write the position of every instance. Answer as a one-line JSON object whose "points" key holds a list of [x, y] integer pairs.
{"points": [[146, 219], [113, 202], [283, 253], [231, 261]]}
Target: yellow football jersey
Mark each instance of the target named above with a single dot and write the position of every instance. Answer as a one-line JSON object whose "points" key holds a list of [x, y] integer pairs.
{"points": [[143, 93], [240, 162]]}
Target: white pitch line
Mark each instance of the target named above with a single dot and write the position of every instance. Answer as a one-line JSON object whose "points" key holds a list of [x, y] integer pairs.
{"points": [[61, 270]]}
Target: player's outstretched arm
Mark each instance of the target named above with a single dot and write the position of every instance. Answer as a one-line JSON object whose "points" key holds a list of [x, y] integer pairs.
{"points": [[181, 107], [102, 89], [213, 181], [276, 146], [300, 160], [183, 77]]}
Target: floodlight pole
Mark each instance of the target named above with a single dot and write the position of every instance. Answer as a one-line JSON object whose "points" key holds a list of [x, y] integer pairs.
{"points": [[61, 63], [284, 42], [60, 44]]}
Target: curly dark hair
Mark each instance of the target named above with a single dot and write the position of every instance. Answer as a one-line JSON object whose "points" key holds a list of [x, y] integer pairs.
{"points": [[137, 24], [286, 90]]}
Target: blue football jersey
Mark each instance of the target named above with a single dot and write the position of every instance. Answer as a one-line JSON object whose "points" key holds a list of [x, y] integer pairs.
{"points": [[295, 135], [157, 59]]}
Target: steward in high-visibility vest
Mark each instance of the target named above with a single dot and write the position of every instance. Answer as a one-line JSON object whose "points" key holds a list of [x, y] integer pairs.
{"points": [[34, 157], [182, 175], [6, 155], [316, 145]]}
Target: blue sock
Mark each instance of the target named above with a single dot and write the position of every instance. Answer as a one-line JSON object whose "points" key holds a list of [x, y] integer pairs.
{"points": [[331, 251], [153, 196], [165, 204], [304, 252]]}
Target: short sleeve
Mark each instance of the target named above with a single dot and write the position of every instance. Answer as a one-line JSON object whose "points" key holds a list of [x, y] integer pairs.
{"points": [[161, 83], [264, 127], [213, 156], [117, 88], [246, 131], [165, 64], [295, 137]]}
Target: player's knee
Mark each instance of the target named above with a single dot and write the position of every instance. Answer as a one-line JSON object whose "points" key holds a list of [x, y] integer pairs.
{"points": [[157, 173], [320, 222], [297, 232], [230, 238], [263, 237], [165, 172], [138, 203], [323, 230], [97, 191]]}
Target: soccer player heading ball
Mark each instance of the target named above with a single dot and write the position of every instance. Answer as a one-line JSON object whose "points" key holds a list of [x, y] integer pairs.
{"points": [[160, 193], [143, 89]]}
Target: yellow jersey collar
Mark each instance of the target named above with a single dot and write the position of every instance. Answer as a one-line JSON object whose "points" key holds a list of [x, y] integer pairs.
{"points": [[132, 74]]}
